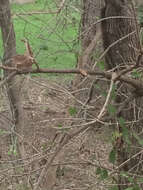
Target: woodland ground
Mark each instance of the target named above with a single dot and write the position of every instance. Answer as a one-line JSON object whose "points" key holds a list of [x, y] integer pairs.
{"points": [[46, 105]]}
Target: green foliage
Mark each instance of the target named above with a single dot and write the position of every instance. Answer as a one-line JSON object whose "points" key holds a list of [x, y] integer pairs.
{"points": [[136, 74], [125, 131], [111, 109], [140, 14], [2, 132], [103, 173], [129, 188], [44, 147], [114, 188], [131, 180], [98, 171], [140, 180], [122, 122], [124, 174], [140, 140], [115, 135], [127, 176], [60, 125], [12, 150], [112, 156], [113, 93], [44, 47], [136, 187], [101, 65], [72, 111]]}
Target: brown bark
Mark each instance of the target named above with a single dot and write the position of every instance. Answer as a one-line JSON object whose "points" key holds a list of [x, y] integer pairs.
{"points": [[9, 44], [84, 85], [120, 56], [13, 86], [113, 29], [90, 35]]}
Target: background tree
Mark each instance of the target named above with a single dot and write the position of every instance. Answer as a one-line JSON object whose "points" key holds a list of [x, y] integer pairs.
{"points": [[85, 86], [13, 86], [128, 102], [89, 38]]}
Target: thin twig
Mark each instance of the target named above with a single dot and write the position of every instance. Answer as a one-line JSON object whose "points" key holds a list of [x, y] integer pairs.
{"points": [[67, 138], [112, 45], [108, 96]]}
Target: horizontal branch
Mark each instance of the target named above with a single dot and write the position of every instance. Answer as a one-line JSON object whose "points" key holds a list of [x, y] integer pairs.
{"points": [[137, 84], [34, 12]]}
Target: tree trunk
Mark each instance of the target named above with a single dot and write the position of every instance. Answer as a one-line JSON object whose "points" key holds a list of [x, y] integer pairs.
{"points": [[85, 86], [90, 36], [128, 103], [13, 86]]}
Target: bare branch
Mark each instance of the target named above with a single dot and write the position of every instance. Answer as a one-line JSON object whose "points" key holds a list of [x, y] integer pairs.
{"points": [[137, 84]]}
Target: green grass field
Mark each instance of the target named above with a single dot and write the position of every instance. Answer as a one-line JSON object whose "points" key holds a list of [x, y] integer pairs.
{"points": [[53, 37]]}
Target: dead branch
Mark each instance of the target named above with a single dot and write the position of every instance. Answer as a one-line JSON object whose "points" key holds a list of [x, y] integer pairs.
{"points": [[42, 12], [137, 84], [67, 138]]}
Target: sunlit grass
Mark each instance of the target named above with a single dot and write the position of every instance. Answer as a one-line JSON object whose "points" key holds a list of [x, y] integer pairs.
{"points": [[52, 37]]}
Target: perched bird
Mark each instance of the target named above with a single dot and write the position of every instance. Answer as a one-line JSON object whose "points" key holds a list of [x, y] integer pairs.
{"points": [[25, 62]]}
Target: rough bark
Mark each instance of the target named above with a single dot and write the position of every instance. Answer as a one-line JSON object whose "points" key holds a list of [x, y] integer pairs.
{"points": [[118, 57], [86, 91], [13, 86], [113, 29], [89, 36], [9, 44]]}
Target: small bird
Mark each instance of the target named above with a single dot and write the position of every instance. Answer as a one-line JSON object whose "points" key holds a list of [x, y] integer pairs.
{"points": [[25, 62]]}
